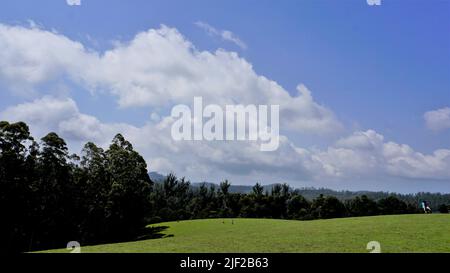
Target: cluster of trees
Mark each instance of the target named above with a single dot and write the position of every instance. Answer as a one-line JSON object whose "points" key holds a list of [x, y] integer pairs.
{"points": [[436, 199], [174, 199], [444, 208], [49, 197]]}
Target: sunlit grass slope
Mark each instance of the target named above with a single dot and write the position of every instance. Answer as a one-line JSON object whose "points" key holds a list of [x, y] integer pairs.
{"points": [[399, 233]]}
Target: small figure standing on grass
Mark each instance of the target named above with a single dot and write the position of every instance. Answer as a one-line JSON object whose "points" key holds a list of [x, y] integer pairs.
{"points": [[425, 205]]}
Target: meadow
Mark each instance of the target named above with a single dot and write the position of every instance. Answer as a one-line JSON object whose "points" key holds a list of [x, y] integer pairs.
{"points": [[396, 234]]}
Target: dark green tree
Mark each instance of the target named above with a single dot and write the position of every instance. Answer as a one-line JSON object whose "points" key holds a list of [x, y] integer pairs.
{"points": [[15, 186], [54, 190], [128, 199], [392, 205], [94, 182], [224, 199], [362, 206], [443, 208], [298, 207], [327, 207]]}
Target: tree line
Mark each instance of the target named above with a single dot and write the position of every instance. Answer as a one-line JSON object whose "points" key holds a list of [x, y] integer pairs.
{"points": [[173, 199], [49, 197], [437, 200]]}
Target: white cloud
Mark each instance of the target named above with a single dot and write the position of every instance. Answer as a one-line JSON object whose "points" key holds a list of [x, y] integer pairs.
{"points": [[224, 34], [369, 140], [367, 154], [438, 120], [62, 115], [363, 155], [160, 68], [403, 161], [30, 57], [157, 68], [191, 158], [73, 2]]}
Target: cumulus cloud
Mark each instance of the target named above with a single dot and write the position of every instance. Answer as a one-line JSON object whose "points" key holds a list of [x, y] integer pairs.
{"points": [[438, 120], [30, 57], [157, 68], [224, 34], [160, 67], [153, 140], [362, 155], [367, 154], [61, 115]]}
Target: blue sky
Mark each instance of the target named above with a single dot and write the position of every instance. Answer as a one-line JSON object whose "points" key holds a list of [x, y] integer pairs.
{"points": [[377, 68]]}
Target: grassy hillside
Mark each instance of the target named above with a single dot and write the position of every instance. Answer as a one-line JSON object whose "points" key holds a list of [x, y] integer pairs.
{"points": [[403, 233]]}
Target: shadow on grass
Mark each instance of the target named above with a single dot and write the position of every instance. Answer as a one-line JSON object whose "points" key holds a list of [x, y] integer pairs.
{"points": [[156, 232]]}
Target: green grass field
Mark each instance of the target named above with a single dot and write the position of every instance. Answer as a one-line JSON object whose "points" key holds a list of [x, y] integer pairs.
{"points": [[401, 233]]}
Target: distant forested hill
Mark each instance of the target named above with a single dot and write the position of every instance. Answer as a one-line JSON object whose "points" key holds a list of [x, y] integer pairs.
{"points": [[310, 193]]}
